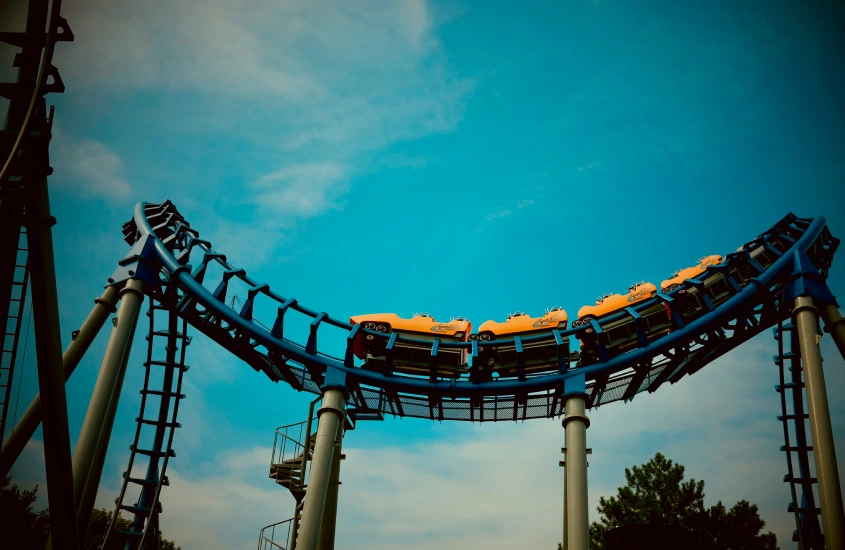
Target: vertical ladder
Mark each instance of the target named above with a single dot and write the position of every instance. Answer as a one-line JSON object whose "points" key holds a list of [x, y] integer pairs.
{"points": [[808, 532], [155, 431], [12, 328]]}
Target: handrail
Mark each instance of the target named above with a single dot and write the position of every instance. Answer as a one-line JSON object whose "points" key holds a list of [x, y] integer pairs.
{"points": [[264, 538]]}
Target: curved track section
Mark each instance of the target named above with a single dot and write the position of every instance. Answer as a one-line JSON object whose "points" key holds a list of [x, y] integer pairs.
{"points": [[163, 245]]}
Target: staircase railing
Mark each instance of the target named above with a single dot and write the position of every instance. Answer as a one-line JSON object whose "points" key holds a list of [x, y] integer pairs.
{"points": [[269, 538]]}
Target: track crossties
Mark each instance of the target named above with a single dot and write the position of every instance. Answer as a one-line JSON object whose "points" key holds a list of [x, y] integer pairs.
{"points": [[734, 301]]}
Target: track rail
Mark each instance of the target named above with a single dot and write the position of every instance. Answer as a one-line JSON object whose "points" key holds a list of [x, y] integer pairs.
{"points": [[164, 243]]}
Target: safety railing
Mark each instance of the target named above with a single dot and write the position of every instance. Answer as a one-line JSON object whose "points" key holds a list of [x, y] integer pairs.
{"points": [[293, 442], [275, 536]]}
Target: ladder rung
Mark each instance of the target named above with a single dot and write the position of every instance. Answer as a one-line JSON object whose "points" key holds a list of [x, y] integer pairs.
{"points": [[163, 393], [796, 448], [792, 416], [800, 480], [165, 481], [160, 454], [172, 364], [158, 423], [791, 508], [139, 511], [788, 386]]}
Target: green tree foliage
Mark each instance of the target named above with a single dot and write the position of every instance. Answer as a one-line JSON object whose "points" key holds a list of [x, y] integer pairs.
{"points": [[24, 529], [656, 494], [20, 527]]}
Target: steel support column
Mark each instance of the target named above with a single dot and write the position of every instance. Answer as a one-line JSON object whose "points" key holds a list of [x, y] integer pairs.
{"points": [[107, 383], [327, 528], [30, 420], [824, 453], [835, 325], [565, 543], [51, 379], [577, 521], [331, 415], [85, 504]]}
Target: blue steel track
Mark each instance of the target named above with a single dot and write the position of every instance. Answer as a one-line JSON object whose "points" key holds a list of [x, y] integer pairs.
{"points": [[163, 242], [794, 257]]}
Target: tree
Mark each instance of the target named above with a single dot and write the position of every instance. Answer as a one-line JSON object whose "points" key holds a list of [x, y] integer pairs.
{"points": [[24, 529], [19, 525], [657, 495]]}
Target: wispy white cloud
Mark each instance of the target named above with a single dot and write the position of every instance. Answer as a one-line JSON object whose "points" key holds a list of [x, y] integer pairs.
{"points": [[525, 202], [500, 213], [588, 166], [303, 190], [90, 168]]}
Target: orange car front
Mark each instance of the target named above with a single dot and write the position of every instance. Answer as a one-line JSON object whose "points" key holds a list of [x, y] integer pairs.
{"points": [[536, 355], [690, 273], [615, 302], [421, 327]]}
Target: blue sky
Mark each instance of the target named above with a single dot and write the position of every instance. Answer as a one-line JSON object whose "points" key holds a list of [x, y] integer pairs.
{"points": [[461, 158]]}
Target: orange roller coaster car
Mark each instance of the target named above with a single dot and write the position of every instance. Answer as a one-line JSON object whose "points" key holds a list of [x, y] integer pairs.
{"points": [[682, 275], [611, 303], [411, 357], [620, 335], [537, 356]]}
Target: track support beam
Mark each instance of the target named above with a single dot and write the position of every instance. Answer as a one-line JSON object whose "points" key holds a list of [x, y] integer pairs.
{"points": [[331, 415], [824, 453], [30, 420], [96, 430], [327, 527], [51, 380], [576, 509]]}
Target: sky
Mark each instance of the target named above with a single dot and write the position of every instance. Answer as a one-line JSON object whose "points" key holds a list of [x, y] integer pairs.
{"points": [[462, 158]]}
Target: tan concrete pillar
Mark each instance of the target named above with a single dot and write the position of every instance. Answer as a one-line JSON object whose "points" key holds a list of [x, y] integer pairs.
{"points": [[577, 509], [30, 420], [327, 528], [824, 452], [331, 415]]}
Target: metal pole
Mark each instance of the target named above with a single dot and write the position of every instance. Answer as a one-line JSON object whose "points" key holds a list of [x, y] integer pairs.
{"points": [[30, 420], [107, 383], [824, 453], [575, 423], [51, 380], [327, 528], [565, 543], [835, 325], [331, 414], [85, 505]]}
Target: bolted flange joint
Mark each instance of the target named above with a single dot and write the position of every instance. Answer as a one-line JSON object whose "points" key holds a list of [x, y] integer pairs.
{"points": [[567, 419]]}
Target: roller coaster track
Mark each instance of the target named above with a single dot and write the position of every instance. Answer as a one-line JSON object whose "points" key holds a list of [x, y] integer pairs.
{"points": [[789, 259], [163, 243]]}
